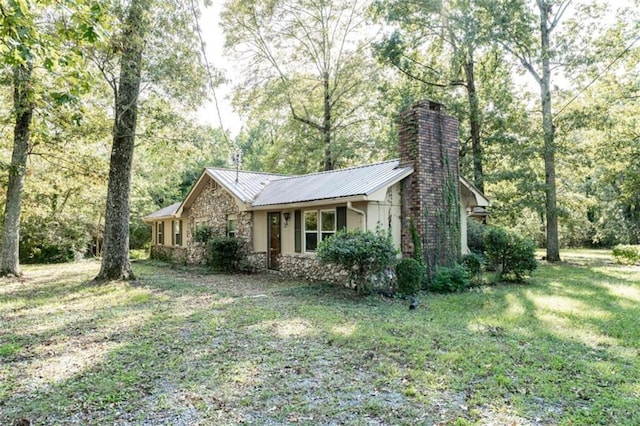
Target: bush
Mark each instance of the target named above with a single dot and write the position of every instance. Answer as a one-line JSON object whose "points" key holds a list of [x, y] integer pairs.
{"points": [[203, 234], [409, 273], [364, 254], [473, 264], [52, 241], [450, 279], [223, 253], [475, 236], [626, 254], [511, 254]]}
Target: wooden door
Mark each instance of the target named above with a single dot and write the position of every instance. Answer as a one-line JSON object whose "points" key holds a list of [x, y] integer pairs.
{"points": [[274, 240]]}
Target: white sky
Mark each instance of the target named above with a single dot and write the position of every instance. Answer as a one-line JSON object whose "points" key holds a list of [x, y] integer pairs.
{"points": [[214, 42]]}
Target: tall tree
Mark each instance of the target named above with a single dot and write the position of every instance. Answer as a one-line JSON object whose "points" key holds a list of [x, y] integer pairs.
{"points": [[42, 35], [309, 57], [23, 99], [115, 256], [439, 43], [527, 35]]}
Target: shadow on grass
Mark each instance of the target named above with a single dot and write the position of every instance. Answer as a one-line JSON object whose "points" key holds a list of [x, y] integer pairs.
{"points": [[182, 350]]}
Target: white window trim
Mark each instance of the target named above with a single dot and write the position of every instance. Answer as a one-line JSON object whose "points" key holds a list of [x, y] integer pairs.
{"points": [[318, 231]]}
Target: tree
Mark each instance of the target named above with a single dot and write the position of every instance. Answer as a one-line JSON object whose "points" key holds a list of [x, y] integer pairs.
{"points": [[23, 107], [308, 58], [115, 256], [439, 44], [516, 32], [45, 36]]}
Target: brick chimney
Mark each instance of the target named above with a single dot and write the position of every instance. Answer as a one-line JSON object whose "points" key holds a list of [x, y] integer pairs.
{"points": [[428, 141]]}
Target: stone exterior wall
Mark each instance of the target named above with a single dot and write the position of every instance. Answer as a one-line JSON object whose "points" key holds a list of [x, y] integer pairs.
{"points": [[213, 206], [311, 268], [428, 141], [169, 253]]}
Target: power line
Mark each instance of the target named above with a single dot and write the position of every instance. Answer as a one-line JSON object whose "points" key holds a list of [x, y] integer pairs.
{"points": [[596, 78], [208, 68]]}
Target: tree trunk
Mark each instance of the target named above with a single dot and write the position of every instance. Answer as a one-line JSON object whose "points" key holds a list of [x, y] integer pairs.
{"points": [[553, 246], [474, 123], [23, 107], [115, 255], [326, 125]]}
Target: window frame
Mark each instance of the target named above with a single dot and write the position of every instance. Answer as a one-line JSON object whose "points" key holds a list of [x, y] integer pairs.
{"points": [[177, 233], [319, 233], [232, 231], [160, 233]]}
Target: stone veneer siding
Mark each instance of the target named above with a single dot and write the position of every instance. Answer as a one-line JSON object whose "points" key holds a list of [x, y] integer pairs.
{"points": [[428, 142], [311, 268], [169, 253]]}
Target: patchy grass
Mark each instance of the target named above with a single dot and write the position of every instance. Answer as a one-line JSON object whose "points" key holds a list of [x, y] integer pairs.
{"points": [[181, 346]]}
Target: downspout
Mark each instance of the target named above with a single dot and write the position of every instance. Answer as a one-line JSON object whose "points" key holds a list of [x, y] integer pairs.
{"points": [[360, 212]]}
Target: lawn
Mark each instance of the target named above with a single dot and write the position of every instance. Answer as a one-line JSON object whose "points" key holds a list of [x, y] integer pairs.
{"points": [[181, 347]]}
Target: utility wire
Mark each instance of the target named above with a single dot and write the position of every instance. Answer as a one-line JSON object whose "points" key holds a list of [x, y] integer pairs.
{"points": [[208, 68], [596, 78]]}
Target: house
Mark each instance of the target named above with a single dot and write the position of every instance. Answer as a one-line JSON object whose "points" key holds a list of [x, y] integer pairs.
{"points": [[281, 218]]}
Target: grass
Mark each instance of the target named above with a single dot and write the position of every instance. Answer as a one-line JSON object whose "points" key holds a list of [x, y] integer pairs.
{"points": [[181, 346]]}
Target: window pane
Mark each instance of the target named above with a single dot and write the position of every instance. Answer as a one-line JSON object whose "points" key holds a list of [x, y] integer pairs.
{"points": [[327, 234], [311, 241], [310, 221], [328, 220]]}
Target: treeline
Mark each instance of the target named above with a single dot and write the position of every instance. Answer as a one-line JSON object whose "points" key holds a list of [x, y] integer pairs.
{"points": [[322, 83]]}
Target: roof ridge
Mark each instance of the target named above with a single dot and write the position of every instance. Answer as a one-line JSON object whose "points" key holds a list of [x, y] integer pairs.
{"points": [[226, 169]]}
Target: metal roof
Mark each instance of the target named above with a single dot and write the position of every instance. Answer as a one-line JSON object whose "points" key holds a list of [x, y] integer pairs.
{"points": [[166, 212], [362, 180], [248, 185]]}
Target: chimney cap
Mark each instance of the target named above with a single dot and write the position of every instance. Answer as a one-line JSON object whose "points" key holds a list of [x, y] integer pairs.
{"points": [[430, 105]]}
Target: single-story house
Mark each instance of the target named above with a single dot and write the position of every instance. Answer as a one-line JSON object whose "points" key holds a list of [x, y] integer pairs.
{"points": [[282, 218]]}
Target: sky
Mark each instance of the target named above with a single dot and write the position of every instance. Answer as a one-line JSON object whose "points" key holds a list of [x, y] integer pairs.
{"points": [[214, 42]]}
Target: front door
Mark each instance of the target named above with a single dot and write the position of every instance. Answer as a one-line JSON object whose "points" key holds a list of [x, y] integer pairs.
{"points": [[274, 240]]}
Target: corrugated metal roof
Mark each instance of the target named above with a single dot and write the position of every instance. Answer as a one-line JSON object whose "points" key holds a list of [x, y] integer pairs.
{"points": [[249, 184], [165, 212], [362, 180]]}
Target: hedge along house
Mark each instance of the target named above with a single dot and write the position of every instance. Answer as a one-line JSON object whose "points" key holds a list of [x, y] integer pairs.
{"points": [[281, 219]]}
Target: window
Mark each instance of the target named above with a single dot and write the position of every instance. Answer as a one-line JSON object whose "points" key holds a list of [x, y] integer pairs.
{"points": [[314, 231], [232, 224], [310, 231], [177, 232], [160, 233]]}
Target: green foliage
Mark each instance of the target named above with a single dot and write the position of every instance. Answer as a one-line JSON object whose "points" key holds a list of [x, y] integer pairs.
{"points": [[364, 254], [409, 275], [473, 264], [48, 241], [510, 253], [203, 234], [223, 253], [626, 254], [475, 236], [450, 279]]}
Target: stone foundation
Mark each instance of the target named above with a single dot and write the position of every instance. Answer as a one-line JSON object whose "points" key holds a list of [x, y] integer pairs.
{"points": [[312, 269], [169, 254]]}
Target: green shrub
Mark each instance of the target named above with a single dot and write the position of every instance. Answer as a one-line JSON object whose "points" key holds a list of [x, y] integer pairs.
{"points": [[223, 253], [409, 274], [450, 279], [511, 254], [473, 262], [44, 240], [475, 236], [365, 254], [626, 254], [203, 234]]}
